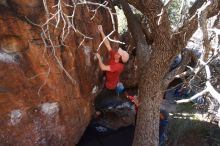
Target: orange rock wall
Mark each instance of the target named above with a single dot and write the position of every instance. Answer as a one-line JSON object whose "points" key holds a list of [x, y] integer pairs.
{"points": [[39, 104]]}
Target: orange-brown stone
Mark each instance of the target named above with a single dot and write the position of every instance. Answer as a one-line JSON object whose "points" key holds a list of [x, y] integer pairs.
{"points": [[39, 104]]}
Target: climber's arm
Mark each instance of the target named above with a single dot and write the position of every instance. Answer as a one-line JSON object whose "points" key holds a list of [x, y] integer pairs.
{"points": [[101, 64]]}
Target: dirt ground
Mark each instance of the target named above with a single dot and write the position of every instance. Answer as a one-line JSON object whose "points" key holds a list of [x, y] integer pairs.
{"points": [[187, 128]]}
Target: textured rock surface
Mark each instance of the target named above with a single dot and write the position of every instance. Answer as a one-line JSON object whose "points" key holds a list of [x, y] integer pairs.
{"points": [[39, 105]]}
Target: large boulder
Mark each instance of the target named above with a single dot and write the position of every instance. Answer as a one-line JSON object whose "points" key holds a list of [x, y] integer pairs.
{"points": [[46, 94]]}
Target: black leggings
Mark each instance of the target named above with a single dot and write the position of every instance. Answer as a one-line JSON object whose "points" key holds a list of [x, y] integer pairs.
{"points": [[105, 98]]}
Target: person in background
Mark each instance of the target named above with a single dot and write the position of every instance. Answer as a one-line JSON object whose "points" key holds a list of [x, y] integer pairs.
{"points": [[162, 128]]}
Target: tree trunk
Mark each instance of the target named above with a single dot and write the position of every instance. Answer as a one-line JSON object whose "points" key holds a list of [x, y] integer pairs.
{"points": [[152, 73], [147, 129], [147, 126]]}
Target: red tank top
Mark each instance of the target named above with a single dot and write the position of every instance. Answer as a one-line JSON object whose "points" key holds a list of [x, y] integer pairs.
{"points": [[112, 76]]}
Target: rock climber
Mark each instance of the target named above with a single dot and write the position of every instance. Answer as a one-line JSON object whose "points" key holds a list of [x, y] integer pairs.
{"points": [[113, 68]]}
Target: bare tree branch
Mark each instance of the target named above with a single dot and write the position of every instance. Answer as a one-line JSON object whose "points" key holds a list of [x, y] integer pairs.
{"points": [[202, 19], [63, 21], [197, 4], [167, 3], [146, 30], [193, 97], [209, 89], [184, 33], [217, 21], [66, 22], [209, 86]]}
